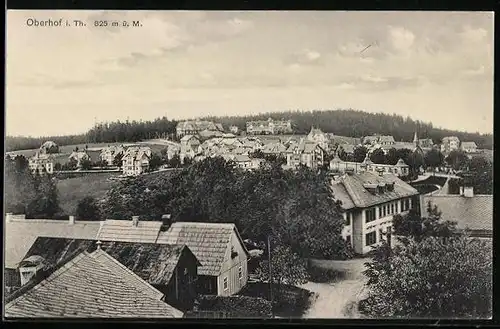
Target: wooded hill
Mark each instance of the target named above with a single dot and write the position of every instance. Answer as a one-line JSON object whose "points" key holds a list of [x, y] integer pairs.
{"points": [[351, 123]]}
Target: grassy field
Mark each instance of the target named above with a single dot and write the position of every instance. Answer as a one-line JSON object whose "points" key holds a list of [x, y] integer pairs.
{"points": [[72, 190]]}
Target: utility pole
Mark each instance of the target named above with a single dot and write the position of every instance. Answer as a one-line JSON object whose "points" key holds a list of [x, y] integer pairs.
{"points": [[270, 274]]}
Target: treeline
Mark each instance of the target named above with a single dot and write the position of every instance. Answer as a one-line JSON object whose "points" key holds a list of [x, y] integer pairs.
{"points": [[355, 123], [131, 131], [27, 143], [351, 123]]}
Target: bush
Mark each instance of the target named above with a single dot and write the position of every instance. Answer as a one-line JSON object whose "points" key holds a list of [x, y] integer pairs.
{"points": [[323, 275], [234, 306]]}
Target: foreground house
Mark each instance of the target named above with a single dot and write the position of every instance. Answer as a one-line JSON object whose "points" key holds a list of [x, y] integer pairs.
{"points": [[43, 163], [217, 246], [135, 161], [21, 233], [220, 250], [368, 202], [470, 211], [88, 285], [172, 269]]}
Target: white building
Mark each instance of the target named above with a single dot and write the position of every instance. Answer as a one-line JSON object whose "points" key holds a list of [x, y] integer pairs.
{"points": [[108, 154], [469, 147], [135, 161], [369, 202], [44, 163], [451, 143]]}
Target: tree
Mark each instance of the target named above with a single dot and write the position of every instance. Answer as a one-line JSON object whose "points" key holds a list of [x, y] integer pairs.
{"points": [[433, 158], [155, 162], [378, 156], [391, 156], [258, 154], [52, 149], [360, 153], [481, 175], [287, 267], [117, 161], [417, 227], [58, 166], [457, 160], [431, 278], [101, 164], [72, 164], [175, 161], [88, 209]]}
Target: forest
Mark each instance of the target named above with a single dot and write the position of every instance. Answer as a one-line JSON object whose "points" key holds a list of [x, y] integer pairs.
{"points": [[353, 123]]}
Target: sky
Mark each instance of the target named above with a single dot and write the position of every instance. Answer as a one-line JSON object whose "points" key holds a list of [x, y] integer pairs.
{"points": [[432, 66]]}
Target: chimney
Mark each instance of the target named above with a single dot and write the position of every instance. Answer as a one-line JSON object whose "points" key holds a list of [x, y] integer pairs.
{"points": [[468, 191], [135, 220], [98, 243], [461, 190], [72, 220], [167, 220]]}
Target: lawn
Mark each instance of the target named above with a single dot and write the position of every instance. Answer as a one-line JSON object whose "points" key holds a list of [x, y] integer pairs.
{"points": [[72, 190]]}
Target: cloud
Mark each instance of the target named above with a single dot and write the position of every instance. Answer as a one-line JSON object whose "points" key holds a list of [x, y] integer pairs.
{"points": [[370, 82], [304, 57], [401, 39]]}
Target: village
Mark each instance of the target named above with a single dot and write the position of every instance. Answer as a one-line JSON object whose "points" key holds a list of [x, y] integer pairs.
{"points": [[197, 269]]}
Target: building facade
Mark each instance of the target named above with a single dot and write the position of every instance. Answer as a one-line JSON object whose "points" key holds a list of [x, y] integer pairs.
{"points": [[135, 161], [451, 143], [309, 154], [369, 202], [189, 148], [400, 169], [469, 147], [195, 126], [269, 127], [43, 163], [109, 154]]}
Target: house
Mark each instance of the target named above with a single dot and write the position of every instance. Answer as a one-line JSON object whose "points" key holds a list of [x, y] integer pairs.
{"points": [[49, 147], [450, 143], [234, 129], [318, 136], [243, 161], [207, 134], [135, 160], [88, 285], [109, 154], [21, 233], [276, 148], [307, 153], [386, 140], [426, 142], [469, 147], [269, 127], [368, 203], [337, 139], [171, 269], [400, 169], [79, 157], [220, 250], [189, 147], [43, 163], [471, 212], [348, 149], [371, 140], [195, 126]]}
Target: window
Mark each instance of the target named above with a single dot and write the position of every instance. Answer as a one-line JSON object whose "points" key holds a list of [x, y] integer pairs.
{"points": [[225, 283], [380, 234], [371, 238], [240, 273], [370, 215], [348, 239], [380, 212], [347, 219], [392, 208], [384, 211]]}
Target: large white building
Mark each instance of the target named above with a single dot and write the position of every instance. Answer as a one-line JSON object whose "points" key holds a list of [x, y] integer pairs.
{"points": [[369, 202], [44, 163], [270, 126], [451, 143], [135, 161]]}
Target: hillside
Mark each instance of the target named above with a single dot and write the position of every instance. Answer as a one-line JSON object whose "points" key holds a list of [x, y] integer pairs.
{"points": [[353, 123]]}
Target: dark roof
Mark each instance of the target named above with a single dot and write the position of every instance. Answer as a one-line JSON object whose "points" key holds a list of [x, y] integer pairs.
{"points": [[208, 241], [154, 263], [351, 189], [86, 286], [474, 213]]}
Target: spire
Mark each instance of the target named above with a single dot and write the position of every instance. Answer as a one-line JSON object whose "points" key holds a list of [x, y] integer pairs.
{"points": [[415, 138]]}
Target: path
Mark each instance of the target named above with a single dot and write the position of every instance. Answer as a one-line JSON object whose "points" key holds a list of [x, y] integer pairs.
{"points": [[338, 299]]}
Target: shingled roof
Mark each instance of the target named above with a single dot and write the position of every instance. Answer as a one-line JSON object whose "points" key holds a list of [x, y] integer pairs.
{"points": [[88, 287], [207, 241], [154, 263], [473, 213], [351, 189], [21, 233], [124, 230]]}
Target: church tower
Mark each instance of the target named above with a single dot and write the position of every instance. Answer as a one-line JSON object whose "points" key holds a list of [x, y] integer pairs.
{"points": [[416, 142]]}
